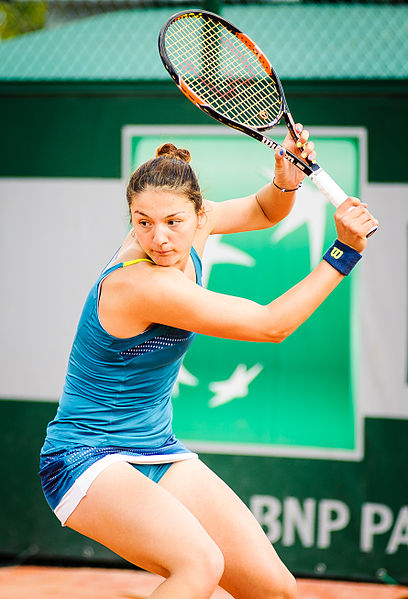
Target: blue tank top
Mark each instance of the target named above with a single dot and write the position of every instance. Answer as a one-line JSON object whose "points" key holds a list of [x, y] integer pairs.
{"points": [[117, 391]]}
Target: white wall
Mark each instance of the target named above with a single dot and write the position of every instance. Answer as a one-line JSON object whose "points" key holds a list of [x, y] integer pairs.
{"points": [[56, 235], [383, 306]]}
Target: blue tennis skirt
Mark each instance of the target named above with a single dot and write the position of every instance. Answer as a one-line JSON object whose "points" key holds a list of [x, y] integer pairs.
{"points": [[67, 474]]}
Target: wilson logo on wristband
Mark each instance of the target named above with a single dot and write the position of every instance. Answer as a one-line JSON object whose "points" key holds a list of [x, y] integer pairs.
{"points": [[336, 253], [342, 257]]}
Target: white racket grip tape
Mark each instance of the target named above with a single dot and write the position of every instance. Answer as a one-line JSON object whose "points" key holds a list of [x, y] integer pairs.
{"points": [[328, 187], [332, 191]]}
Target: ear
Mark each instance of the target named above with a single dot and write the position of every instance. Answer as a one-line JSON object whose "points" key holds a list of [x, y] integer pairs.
{"points": [[201, 218]]}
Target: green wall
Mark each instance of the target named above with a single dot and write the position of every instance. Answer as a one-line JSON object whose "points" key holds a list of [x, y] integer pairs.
{"points": [[29, 529], [47, 111]]}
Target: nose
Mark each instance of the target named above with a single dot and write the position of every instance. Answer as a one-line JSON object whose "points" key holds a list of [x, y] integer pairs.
{"points": [[160, 237]]}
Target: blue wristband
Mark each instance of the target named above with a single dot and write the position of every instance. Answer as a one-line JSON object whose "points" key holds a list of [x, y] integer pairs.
{"points": [[342, 257]]}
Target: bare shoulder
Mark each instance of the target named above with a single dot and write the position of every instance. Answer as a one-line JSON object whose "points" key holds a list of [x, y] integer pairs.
{"points": [[130, 278], [142, 282], [159, 282], [128, 295]]}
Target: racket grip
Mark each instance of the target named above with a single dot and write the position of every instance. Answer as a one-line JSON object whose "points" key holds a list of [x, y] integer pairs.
{"points": [[331, 190], [328, 187]]}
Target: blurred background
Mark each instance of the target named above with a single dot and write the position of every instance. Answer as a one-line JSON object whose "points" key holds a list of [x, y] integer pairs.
{"points": [[313, 436]]}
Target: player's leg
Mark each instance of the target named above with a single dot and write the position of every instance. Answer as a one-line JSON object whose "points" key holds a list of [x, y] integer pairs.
{"points": [[142, 522], [252, 567]]}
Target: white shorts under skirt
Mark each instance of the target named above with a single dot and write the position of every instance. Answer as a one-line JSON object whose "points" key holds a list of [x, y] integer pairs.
{"points": [[66, 475]]}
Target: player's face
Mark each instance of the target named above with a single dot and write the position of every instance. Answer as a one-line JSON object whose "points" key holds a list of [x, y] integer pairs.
{"points": [[165, 224]]}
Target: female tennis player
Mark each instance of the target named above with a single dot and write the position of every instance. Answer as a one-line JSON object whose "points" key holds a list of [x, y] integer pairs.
{"points": [[111, 467]]}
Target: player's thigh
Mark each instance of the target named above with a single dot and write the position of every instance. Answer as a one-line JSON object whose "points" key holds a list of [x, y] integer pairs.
{"points": [[252, 566], [142, 522]]}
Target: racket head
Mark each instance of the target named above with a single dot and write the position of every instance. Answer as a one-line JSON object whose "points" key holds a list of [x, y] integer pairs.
{"points": [[221, 70]]}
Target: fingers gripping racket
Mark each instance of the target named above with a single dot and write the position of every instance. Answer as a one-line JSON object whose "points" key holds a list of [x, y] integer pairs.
{"points": [[225, 74]]}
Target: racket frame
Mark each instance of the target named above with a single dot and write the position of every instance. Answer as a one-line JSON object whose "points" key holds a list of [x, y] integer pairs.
{"points": [[255, 132], [326, 185]]}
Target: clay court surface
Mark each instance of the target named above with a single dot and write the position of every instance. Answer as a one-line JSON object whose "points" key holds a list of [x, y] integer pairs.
{"points": [[34, 582]]}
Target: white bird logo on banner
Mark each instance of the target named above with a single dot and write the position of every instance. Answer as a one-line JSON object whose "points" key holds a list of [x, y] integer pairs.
{"points": [[236, 386]]}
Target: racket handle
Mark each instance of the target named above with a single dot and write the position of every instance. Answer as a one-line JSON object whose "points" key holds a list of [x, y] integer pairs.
{"points": [[328, 187], [331, 190]]}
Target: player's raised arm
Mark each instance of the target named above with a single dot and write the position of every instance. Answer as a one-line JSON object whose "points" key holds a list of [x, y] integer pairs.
{"points": [[273, 202], [139, 300]]}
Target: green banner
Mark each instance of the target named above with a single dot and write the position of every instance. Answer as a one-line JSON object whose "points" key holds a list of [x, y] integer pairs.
{"points": [[294, 398]]}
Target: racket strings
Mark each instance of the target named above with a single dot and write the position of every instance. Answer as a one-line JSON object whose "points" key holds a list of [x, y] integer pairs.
{"points": [[218, 90], [222, 71], [222, 89]]}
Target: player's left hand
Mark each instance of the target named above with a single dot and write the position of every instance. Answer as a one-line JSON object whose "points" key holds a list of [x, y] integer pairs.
{"points": [[287, 175], [353, 222]]}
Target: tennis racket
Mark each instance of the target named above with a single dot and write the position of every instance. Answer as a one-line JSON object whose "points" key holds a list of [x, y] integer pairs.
{"points": [[225, 74]]}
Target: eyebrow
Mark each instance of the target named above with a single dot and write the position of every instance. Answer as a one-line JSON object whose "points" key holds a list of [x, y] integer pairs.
{"points": [[168, 216]]}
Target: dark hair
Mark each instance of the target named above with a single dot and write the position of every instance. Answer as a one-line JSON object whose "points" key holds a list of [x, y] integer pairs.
{"points": [[170, 170]]}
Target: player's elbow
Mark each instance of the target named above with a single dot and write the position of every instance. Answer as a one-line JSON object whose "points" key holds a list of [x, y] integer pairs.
{"points": [[279, 324], [273, 326], [278, 335], [279, 338]]}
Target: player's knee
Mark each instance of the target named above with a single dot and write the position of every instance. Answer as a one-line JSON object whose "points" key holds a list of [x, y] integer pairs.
{"points": [[283, 587], [216, 564], [273, 585], [290, 588], [212, 563], [206, 565]]}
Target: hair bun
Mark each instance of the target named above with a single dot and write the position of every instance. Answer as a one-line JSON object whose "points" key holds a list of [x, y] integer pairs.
{"points": [[171, 151]]}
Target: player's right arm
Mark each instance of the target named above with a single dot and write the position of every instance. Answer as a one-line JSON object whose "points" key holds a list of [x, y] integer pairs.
{"points": [[165, 295], [270, 204]]}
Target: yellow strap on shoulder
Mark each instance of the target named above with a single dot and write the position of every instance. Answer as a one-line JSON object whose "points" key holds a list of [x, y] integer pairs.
{"points": [[129, 262]]}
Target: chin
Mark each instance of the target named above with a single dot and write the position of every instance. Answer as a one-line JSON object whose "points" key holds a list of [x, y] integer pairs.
{"points": [[169, 259]]}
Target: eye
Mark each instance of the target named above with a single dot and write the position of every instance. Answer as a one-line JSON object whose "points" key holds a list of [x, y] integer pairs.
{"points": [[174, 221], [144, 223]]}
